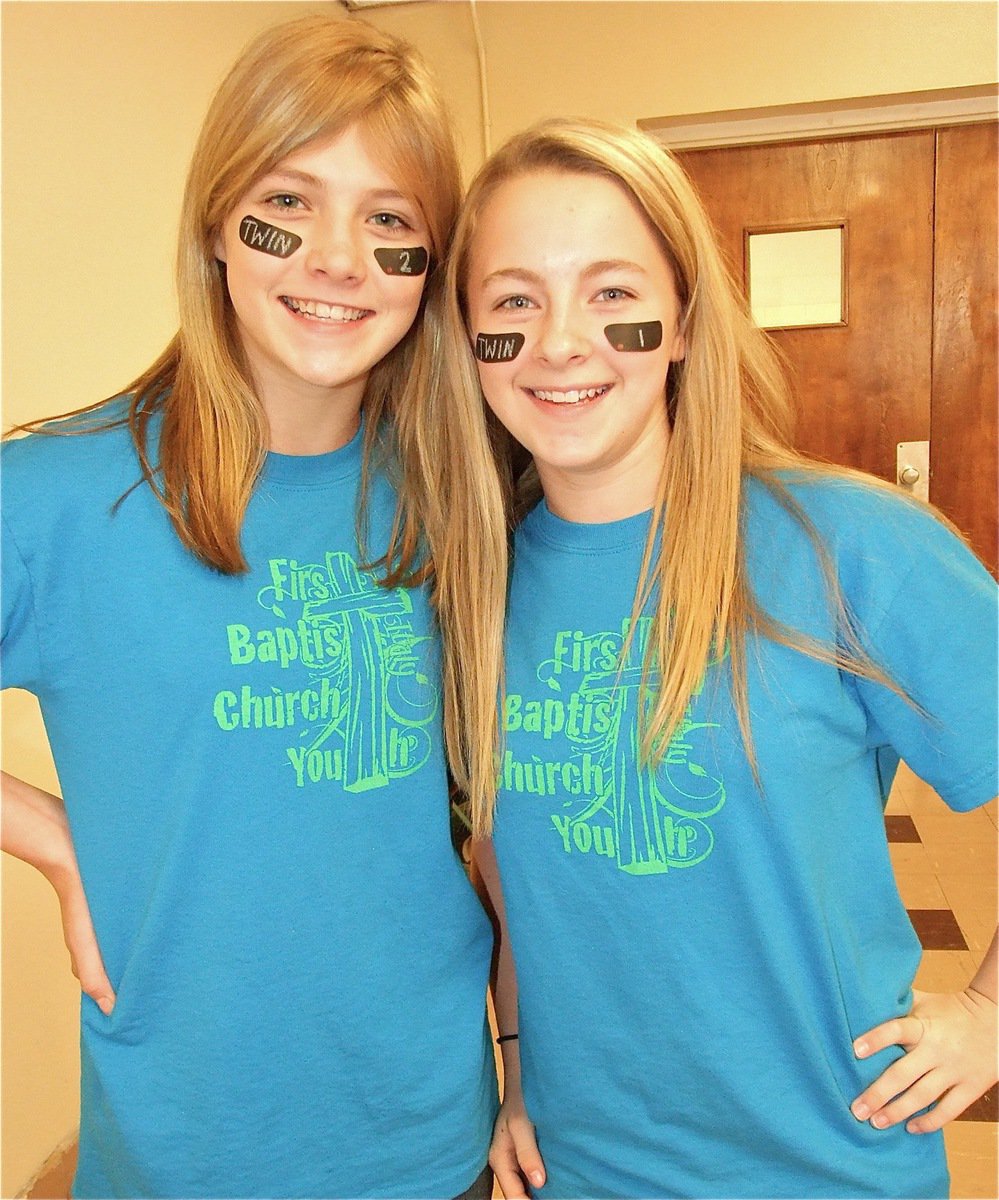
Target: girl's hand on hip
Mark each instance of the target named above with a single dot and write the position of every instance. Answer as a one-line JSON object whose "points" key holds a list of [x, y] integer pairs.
{"points": [[34, 828], [950, 1060], [81, 940]]}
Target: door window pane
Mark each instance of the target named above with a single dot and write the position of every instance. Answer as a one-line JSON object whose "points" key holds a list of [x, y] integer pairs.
{"points": [[796, 278]]}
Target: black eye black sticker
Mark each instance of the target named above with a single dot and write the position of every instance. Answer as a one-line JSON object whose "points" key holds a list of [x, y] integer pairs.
{"points": [[409, 260], [258, 235], [498, 347], [643, 335]]}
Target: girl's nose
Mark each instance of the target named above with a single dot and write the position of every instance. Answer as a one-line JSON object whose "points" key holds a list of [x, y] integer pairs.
{"points": [[563, 337], [337, 251]]}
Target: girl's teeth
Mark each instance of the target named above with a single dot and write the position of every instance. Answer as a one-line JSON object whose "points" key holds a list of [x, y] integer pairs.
{"points": [[570, 397], [326, 312]]}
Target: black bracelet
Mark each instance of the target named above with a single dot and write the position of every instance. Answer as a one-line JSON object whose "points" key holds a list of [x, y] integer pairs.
{"points": [[507, 1037]]}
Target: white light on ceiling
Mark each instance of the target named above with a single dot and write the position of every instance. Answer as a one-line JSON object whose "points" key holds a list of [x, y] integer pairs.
{"points": [[353, 5]]}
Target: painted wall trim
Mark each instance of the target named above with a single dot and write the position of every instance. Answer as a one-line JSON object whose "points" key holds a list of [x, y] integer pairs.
{"points": [[832, 118]]}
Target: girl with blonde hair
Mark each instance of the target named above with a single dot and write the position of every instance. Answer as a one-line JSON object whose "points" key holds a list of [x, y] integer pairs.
{"points": [[218, 586], [716, 653]]}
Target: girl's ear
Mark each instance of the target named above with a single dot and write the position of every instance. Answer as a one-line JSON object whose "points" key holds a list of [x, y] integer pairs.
{"points": [[220, 247]]}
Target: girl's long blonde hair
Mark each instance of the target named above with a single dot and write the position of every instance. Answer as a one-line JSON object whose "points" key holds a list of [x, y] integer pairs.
{"points": [[731, 413]]}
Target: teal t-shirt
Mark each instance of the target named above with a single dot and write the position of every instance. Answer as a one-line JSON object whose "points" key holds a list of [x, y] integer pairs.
{"points": [[694, 955], [253, 772]]}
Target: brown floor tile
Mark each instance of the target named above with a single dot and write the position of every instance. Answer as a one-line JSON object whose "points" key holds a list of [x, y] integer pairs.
{"points": [[937, 929], [985, 1108], [901, 828]]}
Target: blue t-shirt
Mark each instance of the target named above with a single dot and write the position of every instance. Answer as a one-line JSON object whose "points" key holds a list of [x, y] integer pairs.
{"points": [[695, 955], [253, 772]]}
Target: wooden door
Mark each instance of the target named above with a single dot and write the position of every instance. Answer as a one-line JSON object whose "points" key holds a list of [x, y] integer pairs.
{"points": [[963, 422], [914, 353]]}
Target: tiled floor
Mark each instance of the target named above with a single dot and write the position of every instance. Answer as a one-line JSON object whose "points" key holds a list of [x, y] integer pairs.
{"points": [[945, 864]]}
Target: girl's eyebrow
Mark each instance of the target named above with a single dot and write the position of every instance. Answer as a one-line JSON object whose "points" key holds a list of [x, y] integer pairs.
{"points": [[390, 196], [291, 175], [613, 264], [521, 275], [512, 275]]}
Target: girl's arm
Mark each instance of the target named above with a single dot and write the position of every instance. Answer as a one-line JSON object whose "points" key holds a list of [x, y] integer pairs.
{"points": [[514, 1156], [952, 1052], [34, 828]]}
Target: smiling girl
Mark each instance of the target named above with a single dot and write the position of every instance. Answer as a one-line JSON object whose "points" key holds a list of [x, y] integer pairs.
{"points": [[716, 654], [217, 584]]}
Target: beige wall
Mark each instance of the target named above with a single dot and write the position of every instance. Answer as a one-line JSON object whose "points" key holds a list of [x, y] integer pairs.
{"points": [[101, 104], [627, 59]]}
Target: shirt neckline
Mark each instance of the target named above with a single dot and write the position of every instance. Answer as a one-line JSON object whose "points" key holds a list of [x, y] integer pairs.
{"points": [[584, 536], [312, 470]]}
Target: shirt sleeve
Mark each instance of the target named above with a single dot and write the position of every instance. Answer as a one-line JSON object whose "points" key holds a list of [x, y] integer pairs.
{"points": [[936, 637], [20, 657]]}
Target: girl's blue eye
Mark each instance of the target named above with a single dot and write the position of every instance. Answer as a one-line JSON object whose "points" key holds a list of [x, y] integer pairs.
{"points": [[389, 220], [614, 293], [515, 302], [284, 200]]}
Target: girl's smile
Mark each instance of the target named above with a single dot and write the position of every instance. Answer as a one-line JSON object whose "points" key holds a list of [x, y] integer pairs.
{"points": [[319, 311], [577, 395]]}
